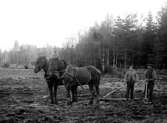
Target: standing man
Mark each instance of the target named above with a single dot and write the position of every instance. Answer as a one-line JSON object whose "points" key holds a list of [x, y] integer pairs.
{"points": [[150, 76], [130, 78]]}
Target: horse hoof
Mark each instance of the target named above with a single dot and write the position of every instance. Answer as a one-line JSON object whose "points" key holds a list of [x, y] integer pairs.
{"points": [[75, 100], [97, 102], [68, 96], [90, 102], [69, 103]]}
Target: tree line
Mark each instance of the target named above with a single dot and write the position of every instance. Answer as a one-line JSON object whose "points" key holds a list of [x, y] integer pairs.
{"points": [[115, 42], [24, 55], [120, 42]]}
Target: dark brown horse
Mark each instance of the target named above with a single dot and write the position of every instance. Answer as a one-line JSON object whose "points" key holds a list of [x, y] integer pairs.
{"points": [[88, 75], [53, 68]]}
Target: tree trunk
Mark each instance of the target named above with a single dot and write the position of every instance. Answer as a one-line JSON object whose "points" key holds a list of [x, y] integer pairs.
{"points": [[125, 59], [103, 61], [108, 56]]}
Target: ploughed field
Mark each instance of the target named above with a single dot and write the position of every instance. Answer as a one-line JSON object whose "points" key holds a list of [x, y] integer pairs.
{"points": [[24, 99]]}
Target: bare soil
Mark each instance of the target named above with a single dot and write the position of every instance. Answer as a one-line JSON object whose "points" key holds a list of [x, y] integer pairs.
{"points": [[24, 99]]}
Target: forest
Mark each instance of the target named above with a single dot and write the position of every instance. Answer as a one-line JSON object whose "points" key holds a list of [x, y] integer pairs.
{"points": [[115, 42]]}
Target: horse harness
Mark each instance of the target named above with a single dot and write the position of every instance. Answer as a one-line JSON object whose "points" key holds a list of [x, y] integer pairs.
{"points": [[74, 77]]}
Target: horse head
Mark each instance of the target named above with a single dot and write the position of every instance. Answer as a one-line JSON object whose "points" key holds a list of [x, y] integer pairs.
{"points": [[41, 63]]}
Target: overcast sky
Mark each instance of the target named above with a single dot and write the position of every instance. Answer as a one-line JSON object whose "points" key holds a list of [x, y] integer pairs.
{"points": [[42, 22]]}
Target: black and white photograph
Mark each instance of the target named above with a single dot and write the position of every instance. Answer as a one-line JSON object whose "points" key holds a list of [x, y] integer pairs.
{"points": [[83, 61]]}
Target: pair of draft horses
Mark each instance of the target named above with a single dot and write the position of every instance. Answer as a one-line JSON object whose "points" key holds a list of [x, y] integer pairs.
{"points": [[57, 72]]}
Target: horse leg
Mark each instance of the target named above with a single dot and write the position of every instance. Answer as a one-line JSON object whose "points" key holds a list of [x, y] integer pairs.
{"points": [[74, 94], [50, 86], [97, 91], [69, 99], [55, 93], [92, 93], [68, 93]]}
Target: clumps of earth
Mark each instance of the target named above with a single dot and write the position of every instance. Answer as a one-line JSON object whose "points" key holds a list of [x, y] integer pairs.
{"points": [[24, 99]]}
